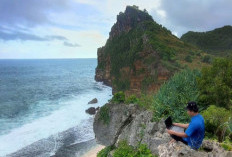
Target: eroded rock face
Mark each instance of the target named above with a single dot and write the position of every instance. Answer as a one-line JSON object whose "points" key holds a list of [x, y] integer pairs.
{"points": [[135, 125], [140, 71], [178, 149], [131, 123], [121, 115]]}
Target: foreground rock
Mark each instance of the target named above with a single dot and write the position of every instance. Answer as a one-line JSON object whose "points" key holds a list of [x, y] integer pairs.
{"points": [[94, 101], [91, 110], [131, 123]]}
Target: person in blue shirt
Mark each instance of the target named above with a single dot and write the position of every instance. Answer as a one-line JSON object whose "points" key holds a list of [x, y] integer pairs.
{"points": [[195, 130]]}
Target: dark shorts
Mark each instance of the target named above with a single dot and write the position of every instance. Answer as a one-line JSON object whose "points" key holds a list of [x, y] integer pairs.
{"points": [[177, 138]]}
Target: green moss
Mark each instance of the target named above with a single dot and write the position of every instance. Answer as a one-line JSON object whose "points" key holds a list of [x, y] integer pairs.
{"points": [[104, 114]]}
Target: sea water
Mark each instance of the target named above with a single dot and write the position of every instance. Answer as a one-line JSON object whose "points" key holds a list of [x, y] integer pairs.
{"points": [[43, 97]]}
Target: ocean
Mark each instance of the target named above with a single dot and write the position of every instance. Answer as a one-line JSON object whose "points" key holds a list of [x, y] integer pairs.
{"points": [[46, 99]]}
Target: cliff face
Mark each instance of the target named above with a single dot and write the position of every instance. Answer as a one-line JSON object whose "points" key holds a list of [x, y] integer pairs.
{"points": [[140, 54], [135, 125]]}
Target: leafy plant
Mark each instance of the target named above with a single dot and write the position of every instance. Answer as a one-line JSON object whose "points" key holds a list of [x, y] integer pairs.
{"points": [[215, 83], [118, 97], [125, 150], [217, 120], [132, 99], [175, 94]]}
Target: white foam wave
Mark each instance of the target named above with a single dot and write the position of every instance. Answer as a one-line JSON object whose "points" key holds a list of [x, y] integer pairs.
{"points": [[70, 115]]}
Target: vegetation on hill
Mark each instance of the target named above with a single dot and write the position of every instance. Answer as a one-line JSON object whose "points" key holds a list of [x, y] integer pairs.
{"points": [[217, 41], [146, 41]]}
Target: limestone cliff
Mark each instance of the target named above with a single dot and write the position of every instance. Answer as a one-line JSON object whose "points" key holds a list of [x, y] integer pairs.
{"points": [[135, 125], [140, 54]]}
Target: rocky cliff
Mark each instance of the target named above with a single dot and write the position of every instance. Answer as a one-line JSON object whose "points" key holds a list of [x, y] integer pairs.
{"points": [[135, 125], [140, 54]]}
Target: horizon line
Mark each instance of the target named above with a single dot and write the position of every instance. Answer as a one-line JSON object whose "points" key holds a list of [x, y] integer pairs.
{"points": [[41, 58]]}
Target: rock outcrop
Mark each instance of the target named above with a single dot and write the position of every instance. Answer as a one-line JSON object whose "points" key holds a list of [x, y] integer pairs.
{"points": [[91, 110], [93, 101], [135, 125]]}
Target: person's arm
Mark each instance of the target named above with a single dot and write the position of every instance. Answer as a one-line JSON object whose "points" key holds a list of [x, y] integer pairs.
{"points": [[180, 134], [181, 125]]}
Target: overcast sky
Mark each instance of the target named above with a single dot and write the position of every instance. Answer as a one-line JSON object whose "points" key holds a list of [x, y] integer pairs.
{"points": [[76, 28]]}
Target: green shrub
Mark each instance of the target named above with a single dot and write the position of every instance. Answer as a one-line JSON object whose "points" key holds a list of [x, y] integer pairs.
{"points": [[132, 99], [104, 114], [227, 144], [146, 101], [125, 150], [215, 83], [206, 59], [188, 58], [173, 96], [104, 152], [217, 120], [118, 97]]}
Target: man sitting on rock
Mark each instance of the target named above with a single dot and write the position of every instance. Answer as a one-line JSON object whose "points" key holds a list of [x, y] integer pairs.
{"points": [[195, 130]]}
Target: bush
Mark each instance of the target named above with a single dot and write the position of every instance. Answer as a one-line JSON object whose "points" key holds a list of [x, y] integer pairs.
{"points": [[104, 114], [132, 99], [118, 97], [188, 59], [146, 101], [206, 59], [227, 145], [217, 121], [215, 83], [175, 94], [125, 150]]}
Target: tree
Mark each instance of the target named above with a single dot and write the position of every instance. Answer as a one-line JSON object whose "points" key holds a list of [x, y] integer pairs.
{"points": [[215, 84]]}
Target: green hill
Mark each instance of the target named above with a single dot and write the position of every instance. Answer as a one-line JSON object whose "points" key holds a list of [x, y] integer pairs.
{"points": [[141, 54], [217, 41]]}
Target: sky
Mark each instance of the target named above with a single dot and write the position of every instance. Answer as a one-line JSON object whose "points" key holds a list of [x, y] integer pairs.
{"points": [[36, 29]]}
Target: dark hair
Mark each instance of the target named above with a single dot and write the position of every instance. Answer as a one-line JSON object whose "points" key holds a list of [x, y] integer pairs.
{"points": [[192, 106]]}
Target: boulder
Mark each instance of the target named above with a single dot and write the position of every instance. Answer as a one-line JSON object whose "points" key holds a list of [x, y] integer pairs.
{"points": [[93, 101], [91, 110]]}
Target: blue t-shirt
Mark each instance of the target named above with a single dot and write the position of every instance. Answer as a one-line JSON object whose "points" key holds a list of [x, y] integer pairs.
{"points": [[195, 132]]}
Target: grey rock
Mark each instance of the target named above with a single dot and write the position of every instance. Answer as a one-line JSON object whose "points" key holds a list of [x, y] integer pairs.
{"points": [[135, 125], [93, 101], [91, 110]]}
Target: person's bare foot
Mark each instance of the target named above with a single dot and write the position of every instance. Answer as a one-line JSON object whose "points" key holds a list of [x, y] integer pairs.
{"points": [[173, 140]]}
